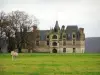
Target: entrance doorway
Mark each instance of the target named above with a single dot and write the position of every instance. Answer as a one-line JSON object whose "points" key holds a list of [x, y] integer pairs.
{"points": [[54, 50]]}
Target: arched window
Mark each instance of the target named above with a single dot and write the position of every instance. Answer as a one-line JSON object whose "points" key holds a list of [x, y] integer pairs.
{"points": [[54, 37], [37, 43], [54, 44], [73, 35]]}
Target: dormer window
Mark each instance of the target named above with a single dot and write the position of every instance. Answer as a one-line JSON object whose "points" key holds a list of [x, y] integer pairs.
{"points": [[68, 36]]}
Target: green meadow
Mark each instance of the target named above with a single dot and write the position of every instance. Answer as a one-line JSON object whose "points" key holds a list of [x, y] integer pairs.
{"points": [[50, 64]]}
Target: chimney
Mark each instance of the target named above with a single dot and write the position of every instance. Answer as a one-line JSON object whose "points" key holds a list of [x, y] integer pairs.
{"points": [[81, 30], [34, 28]]}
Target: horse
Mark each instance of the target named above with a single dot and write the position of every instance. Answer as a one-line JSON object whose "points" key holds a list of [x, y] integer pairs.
{"points": [[14, 54]]}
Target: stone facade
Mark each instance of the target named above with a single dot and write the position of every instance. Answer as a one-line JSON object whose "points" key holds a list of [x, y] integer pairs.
{"points": [[56, 40]]}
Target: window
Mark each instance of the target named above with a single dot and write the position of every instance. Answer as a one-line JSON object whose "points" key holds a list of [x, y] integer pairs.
{"points": [[47, 36], [73, 50], [64, 50], [37, 43], [68, 37], [73, 35], [54, 37], [54, 44], [47, 42]]}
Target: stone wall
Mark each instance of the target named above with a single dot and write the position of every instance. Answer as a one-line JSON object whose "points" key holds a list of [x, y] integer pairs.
{"points": [[43, 47]]}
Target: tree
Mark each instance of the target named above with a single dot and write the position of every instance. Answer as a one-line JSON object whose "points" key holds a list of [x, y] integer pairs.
{"points": [[6, 30], [21, 23], [3, 22], [15, 27], [3, 25]]}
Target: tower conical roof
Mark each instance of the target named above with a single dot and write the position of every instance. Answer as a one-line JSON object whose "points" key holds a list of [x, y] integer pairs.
{"points": [[57, 26]]}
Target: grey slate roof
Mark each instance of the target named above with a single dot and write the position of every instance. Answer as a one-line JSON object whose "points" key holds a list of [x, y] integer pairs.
{"points": [[73, 28], [70, 30], [43, 34]]}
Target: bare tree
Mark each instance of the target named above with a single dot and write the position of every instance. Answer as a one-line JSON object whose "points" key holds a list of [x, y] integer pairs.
{"points": [[21, 23], [15, 26], [3, 25]]}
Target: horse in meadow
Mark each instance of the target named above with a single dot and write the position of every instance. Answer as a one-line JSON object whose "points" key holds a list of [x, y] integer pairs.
{"points": [[14, 54]]}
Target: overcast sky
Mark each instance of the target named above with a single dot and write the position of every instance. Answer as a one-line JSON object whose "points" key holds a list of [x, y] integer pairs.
{"points": [[83, 13]]}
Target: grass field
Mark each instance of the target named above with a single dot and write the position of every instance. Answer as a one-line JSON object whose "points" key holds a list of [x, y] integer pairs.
{"points": [[50, 64]]}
